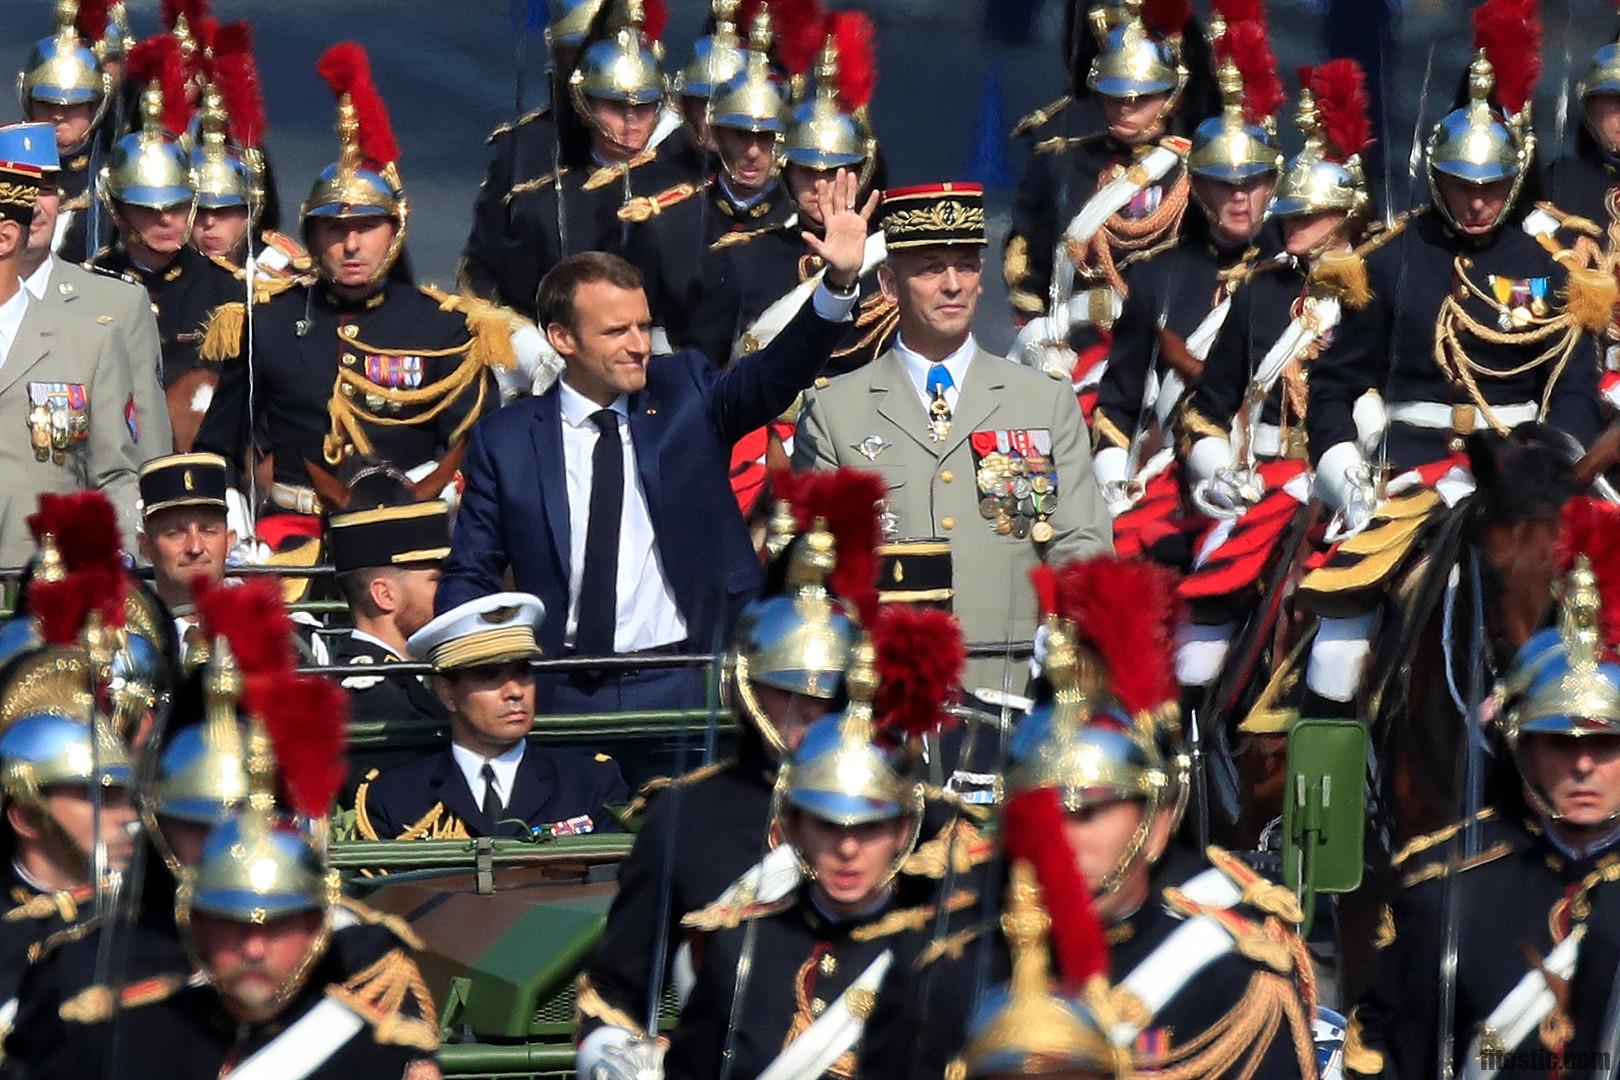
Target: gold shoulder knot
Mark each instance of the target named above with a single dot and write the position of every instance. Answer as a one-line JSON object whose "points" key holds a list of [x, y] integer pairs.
{"points": [[391, 996], [489, 325], [1439, 836], [535, 183], [92, 1005], [511, 125], [1036, 118], [1257, 891], [957, 849], [914, 918], [44, 906], [660, 784], [741, 236], [395, 925], [1343, 274], [1437, 870], [646, 207]]}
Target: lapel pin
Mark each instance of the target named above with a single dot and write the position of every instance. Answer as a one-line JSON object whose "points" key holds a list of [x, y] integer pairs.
{"points": [[871, 446]]}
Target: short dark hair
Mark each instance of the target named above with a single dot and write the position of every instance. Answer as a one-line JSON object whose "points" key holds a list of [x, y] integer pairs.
{"points": [[355, 585], [555, 302]]}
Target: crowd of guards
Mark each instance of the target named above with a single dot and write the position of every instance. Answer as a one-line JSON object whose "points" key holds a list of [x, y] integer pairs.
{"points": [[1003, 641]]}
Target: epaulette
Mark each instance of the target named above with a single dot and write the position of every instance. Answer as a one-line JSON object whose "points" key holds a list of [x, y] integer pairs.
{"points": [[382, 993], [957, 849], [97, 1004], [660, 784], [370, 916], [949, 947], [643, 208], [739, 237], [222, 332], [63, 904], [1607, 872], [1255, 889], [1035, 119], [1428, 840], [533, 184], [68, 934], [1265, 942], [513, 125], [1437, 870], [118, 275], [606, 174], [1589, 292], [724, 915], [1573, 222], [490, 325], [912, 918]]}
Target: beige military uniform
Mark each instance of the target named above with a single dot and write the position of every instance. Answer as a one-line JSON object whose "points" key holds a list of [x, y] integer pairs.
{"points": [[873, 418], [64, 389], [125, 306]]}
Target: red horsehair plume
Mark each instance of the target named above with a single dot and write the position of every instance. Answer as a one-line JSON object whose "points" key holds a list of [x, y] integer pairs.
{"points": [[238, 83], [347, 70], [170, 12], [920, 655], [1592, 528], [253, 619], [1032, 832], [847, 501], [1166, 18], [1248, 46], [1233, 12], [654, 18], [157, 59], [92, 19], [798, 30], [856, 39], [1342, 105], [307, 718], [1510, 33], [1126, 611], [84, 528]]}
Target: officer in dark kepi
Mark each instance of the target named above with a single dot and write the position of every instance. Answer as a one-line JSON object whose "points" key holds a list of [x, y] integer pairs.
{"points": [[186, 536], [488, 781], [387, 562]]}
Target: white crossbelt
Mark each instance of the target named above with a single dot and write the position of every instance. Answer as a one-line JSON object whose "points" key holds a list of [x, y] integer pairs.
{"points": [[833, 1032], [1438, 415], [764, 330], [1168, 394], [1525, 1006], [304, 1046], [1190, 948], [766, 882]]}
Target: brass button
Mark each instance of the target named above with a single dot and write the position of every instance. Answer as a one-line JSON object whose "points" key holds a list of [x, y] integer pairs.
{"points": [[946, 476], [947, 523], [829, 964], [1467, 263], [817, 1006], [350, 331], [350, 360], [348, 391]]}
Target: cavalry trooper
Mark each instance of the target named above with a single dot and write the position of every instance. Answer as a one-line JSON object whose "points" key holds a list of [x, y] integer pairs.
{"points": [[107, 297], [671, 229], [186, 535], [147, 188], [717, 57], [784, 986], [753, 279], [357, 365], [707, 829], [1464, 316], [1243, 422], [1090, 206], [387, 555], [1207, 949], [488, 781], [1544, 839], [1178, 298], [64, 782], [617, 89], [64, 84]]}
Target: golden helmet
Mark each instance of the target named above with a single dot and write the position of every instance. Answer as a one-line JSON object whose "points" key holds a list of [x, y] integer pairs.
{"points": [[1327, 175], [1602, 77], [1133, 59], [755, 99], [149, 168], [624, 67], [49, 731], [1241, 143], [829, 130], [569, 22], [63, 70], [224, 178], [716, 57]]}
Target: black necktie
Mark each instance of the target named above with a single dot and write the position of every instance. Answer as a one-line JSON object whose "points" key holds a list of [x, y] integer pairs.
{"points": [[598, 582], [492, 799]]}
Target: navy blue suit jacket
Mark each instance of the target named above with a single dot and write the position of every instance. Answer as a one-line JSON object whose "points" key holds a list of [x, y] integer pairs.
{"points": [[514, 509]]}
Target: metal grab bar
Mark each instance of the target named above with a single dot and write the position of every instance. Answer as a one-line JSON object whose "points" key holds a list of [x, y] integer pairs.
{"points": [[462, 854]]}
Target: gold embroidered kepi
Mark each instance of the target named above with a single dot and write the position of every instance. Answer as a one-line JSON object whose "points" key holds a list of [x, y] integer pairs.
{"points": [[19, 188], [929, 214]]}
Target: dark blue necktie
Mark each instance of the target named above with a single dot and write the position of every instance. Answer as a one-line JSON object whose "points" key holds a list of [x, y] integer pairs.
{"points": [[598, 582]]}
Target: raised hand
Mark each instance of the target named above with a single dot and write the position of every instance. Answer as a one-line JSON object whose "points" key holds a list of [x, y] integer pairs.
{"points": [[842, 244]]}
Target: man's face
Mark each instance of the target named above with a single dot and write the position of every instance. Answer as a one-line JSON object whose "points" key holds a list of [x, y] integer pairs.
{"points": [[1603, 113], [791, 714], [850, 862], [937, 288], [492, 706], [186, 544], [1100, 836], [801, 183], [72, 123], [1304, 233], [1236, 210], [219, 233], [1579, 775], [161, 233], [353, 251], [1134, 121], [72, 809], [185, 839], [696, 112], [622, 130], [1476, 208], [606, 349], [46, 208], [253, 964], [418, 585], [747, 156]]}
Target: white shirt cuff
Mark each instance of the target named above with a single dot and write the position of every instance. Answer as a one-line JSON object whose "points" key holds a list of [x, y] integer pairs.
{"points": [[831, 306]]}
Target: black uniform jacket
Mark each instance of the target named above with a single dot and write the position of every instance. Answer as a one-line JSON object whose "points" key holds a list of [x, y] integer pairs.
{"points": [[30, 918], [1512, 899], [376, 361], [1389, 345], [183, 295], [1261, 311], [429, 797], [920, 1022], [375, 697]]}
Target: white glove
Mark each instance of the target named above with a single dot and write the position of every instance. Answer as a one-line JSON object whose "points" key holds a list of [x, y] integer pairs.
{"points": [[1371, 420], [1228, 493], [1208, 456], [538, 365], [1109, 465], [638, 1058], [1344, 482], [239, 519], [1043, 344]]}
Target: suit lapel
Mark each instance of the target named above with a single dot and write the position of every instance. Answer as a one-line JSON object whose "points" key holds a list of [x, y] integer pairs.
{"points": [[33, 344], [457, 797], [532, 788], [64, 289], [896, 401], [548, 451], [646, 428], [981, 393]]}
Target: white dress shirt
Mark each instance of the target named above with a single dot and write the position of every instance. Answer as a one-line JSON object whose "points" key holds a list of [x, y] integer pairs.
{"points": [[35, 283], [647, 613], [917, 367], [472, 765], [11, 317], [361, 635]]}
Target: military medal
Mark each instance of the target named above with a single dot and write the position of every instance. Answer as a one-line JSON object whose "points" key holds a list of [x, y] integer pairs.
{"points": [[1017, 483], [1041, 532], [939, 417]]}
